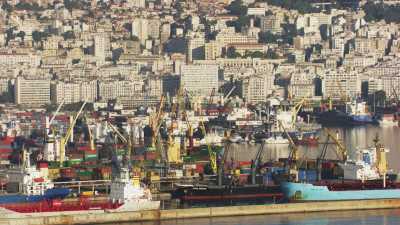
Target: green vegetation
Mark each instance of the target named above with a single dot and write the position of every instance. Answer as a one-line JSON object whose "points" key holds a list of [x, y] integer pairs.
{"points": [[381, 11], [303, 6], [28, 7], [37, 36], [68, 35], [231, 53], [237, 8], [73, 4], [7, 7]]}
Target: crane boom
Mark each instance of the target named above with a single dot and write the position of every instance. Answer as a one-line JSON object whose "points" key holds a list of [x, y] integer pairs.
{"points": [[213, 155], [64, 139], [340, 147], [56, 112]]}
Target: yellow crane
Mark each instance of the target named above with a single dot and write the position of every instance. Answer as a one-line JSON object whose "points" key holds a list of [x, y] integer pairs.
{"points": [[211, 153], [64, 140], [340, 148], [296, 108], [293, 155], [155, 121]]}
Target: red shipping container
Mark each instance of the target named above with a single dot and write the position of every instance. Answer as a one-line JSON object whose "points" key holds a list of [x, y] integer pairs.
{"points": [[151, 155], [5, 150], [199, 168], [43, 165], [244, 163]]}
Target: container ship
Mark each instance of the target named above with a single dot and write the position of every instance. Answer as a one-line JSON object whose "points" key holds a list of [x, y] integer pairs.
{"points": [[363, 179]]}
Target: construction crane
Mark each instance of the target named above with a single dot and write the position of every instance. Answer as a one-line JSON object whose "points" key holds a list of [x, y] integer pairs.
{"points": [[211, 153], [64, 140], [128, 141], [255, 163]]}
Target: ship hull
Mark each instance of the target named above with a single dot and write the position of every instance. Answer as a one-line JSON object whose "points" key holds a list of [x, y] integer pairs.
{"points": [[55, 193], [303, 192]]}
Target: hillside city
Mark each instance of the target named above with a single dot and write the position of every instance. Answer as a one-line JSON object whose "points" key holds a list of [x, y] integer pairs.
{"points": [[133, 51]]}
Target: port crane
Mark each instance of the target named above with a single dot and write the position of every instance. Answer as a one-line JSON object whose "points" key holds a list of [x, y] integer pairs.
{"points": [[255, 163], [211, 153], [68, 135], [340, 150], [221, 165], [293, 155]]}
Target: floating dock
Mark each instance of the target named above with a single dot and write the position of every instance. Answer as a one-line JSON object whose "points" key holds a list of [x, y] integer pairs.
{"points": [[98, 217]]}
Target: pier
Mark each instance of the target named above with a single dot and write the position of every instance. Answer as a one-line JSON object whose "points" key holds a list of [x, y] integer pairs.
{"points": [[99, 217]]}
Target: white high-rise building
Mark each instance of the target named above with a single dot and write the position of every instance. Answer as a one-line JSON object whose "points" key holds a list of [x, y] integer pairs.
{"points": [[32, 92], [101, 46], [199, 80], [140, 29]]}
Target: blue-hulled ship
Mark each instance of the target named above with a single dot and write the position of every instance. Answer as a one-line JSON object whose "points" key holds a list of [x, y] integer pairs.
{"points": [[363, 179]]}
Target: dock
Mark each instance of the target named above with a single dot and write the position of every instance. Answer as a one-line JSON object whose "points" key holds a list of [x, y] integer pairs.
{"points": [[101, 217]]}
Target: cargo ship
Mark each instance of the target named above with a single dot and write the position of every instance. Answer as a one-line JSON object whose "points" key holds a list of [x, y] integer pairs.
{"points": [[126, 194], [363, 179], [216, 195], [356, 113], [31, 184]]}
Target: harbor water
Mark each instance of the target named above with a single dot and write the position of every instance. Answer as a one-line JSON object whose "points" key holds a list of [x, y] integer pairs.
{"points": [[355, 138], [366, 217]]}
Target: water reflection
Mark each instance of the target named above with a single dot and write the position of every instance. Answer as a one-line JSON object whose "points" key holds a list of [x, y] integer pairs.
{"points": [[353, 138]]}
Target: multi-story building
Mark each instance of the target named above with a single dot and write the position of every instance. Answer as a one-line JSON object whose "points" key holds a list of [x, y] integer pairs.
{"points": [[101, 46], [112, 89], [199, 80], [256, 88], [272, 23], [195, 48], [32, 92], [301, 85], [340, 84], [140, 29], [67, 92]]}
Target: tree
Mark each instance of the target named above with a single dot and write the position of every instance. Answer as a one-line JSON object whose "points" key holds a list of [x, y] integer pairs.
{"points": [[271, 54], [37, 36], [7, 7], [267, 37], [231, 53], [21, 34], [237, 8], [68, 35]]}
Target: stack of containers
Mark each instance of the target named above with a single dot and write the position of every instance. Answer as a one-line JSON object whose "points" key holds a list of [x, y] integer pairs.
{"points": [[54, 173], [245, 171], [75, 158], [67, 172], [5, 151], [84, 174]]}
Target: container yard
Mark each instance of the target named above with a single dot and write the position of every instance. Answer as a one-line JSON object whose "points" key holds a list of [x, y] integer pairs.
{"points": [[173, 160]]}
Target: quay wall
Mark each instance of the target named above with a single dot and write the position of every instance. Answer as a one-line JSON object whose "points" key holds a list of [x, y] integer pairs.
{"points": [[156, 215]]}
